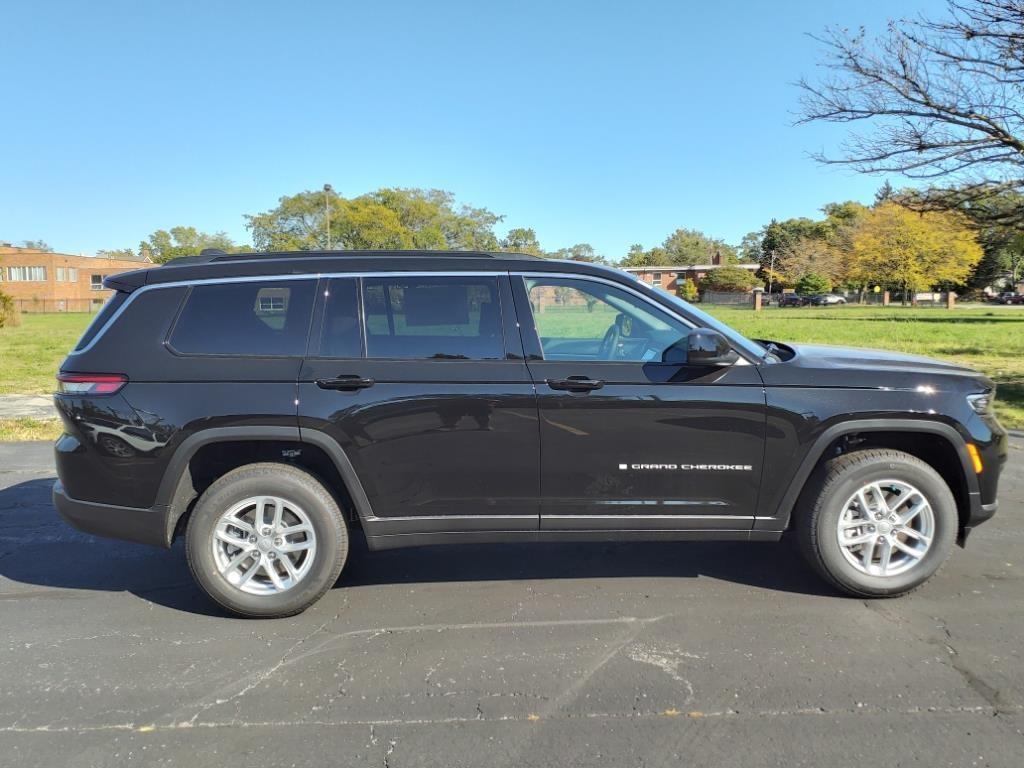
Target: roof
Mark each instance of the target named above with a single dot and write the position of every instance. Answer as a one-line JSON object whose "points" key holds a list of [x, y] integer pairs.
{"points": [[689, 267], [217, 264]]}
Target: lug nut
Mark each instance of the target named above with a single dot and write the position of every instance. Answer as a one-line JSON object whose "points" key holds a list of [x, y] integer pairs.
{"points": [[278, 541], [881, 539], [878, 515], [871, 529], [252, 539], [266, 531], [272, 555]]}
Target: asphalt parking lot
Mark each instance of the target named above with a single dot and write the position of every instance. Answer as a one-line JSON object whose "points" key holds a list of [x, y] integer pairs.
{"points": [[561, 655]]}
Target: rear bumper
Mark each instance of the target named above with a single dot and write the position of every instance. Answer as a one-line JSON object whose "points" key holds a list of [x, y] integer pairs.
{"points": [[144, 526]]}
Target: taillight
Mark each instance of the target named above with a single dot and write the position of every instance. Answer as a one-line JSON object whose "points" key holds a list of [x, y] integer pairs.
{"points": [[90, 383]]}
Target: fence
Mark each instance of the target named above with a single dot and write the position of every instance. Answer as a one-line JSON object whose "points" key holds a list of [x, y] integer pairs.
{"points": [[58, 305], [727, 298]]}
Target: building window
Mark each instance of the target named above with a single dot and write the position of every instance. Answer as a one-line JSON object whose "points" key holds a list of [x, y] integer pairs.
{"points": [[72, 275], [61, 274], [96, 282], [26, 274], [656, 278]]}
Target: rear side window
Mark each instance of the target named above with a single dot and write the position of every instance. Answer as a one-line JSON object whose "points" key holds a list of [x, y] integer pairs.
{"points": [[433, 318], [113, 304], [262, 319], [340, 334]]}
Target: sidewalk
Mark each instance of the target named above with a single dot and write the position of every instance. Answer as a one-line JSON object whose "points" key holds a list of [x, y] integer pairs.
{"points": [[31, 406]]}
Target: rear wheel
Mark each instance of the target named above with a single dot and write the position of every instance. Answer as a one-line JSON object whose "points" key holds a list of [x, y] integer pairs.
{"points": [[877, 523], [266, 541]]}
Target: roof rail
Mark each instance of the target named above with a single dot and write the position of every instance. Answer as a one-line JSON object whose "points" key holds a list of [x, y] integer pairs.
{"points": [[209, 255]]}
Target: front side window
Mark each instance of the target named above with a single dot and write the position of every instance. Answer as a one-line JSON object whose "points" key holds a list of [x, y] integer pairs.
{"points": [[261, 319], [433, 318], [580, 319]]}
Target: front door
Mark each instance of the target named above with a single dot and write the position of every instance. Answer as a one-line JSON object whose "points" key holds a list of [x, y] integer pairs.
{"points": [[627, 441], [421, 381]]}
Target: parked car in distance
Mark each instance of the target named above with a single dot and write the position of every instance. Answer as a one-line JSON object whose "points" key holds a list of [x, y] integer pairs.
{"points": [[793, 300], [827, 300], [1010, 297], [268, 408]]}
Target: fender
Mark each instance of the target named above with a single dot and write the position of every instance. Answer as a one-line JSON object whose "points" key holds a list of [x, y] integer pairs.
{"points": [[778, 519], [175, 491]]}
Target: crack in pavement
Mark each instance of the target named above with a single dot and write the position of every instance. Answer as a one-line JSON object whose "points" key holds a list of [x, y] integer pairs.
{"points": [[733, 714], [987, 692]]}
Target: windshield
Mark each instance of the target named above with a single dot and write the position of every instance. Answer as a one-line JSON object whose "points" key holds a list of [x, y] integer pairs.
{"points": [[703, 318]]}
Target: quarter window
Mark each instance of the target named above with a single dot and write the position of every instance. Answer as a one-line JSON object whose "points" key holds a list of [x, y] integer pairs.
{"points": [[589, 320], [261, 319], [433, 318]]}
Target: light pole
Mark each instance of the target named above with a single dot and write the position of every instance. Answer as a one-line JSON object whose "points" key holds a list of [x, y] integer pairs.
{"points": [[327, 212]]}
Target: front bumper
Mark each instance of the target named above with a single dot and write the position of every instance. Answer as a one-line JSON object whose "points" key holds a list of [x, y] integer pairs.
{"points": [[144, 526]]}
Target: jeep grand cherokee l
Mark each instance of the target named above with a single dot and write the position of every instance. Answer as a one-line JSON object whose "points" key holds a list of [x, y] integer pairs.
{"points": [[268, 407]]}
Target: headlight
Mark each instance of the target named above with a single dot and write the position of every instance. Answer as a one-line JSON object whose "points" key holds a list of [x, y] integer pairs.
{"points": [[981, 402]]}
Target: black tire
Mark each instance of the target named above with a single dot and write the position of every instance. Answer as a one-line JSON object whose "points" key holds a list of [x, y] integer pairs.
{"points": [[822, 504], [292, 484]]}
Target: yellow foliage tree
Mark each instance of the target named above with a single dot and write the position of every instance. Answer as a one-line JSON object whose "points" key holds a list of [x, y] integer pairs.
{"points": [[892, 245]]}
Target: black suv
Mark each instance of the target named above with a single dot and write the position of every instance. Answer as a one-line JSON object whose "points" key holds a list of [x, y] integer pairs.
{"points": [[267, 407]]}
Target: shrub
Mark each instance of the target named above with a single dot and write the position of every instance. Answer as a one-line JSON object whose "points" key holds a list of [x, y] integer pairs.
{"points": [[812, 283], [730, 280], [687, 289], [9, 314]]}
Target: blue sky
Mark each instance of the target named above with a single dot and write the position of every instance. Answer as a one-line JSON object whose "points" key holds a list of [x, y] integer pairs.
{"points": [[605, 122]]}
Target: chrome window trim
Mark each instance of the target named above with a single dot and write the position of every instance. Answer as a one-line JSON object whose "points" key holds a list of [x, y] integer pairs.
{"points": [[743, 360], [273, 279]]}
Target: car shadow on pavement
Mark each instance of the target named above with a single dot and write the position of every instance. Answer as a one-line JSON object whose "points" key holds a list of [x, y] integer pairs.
{"points": [[38, 549]]}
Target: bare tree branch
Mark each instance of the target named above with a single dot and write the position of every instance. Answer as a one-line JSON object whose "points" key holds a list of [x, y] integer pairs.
{"points": [[940, 100]]}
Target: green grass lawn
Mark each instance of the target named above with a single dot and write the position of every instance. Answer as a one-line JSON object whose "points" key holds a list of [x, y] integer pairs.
{"points": [[991, 340], [31, 353]]}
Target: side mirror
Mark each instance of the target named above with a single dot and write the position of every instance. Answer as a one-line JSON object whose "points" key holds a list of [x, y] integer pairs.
{"points": [[701, 346]]}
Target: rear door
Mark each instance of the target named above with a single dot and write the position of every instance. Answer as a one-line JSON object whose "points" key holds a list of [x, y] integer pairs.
{"points": [[421, 379], [627, 441]]}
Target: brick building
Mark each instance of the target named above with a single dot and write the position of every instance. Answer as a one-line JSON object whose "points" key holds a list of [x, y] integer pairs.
{"points": [[668, 278], [41, 281]]}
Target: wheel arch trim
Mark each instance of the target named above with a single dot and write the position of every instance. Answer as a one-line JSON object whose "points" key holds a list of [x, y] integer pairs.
{"points": [[779, 518]]}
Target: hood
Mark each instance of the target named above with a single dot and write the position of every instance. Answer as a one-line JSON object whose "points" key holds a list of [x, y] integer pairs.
{"points": [[856, 357], [821, 365]]}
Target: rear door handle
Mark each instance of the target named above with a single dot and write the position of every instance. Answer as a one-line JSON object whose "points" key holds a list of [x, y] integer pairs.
{"points": [[575, 384], [347, 383]]}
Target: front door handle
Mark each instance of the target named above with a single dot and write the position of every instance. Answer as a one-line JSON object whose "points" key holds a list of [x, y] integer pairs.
{"points": [[575, 384], [346, 383]]}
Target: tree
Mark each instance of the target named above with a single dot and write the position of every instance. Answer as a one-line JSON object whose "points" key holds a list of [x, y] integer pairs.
{"points": [[940, 101], [164, 245], [579, 252], [638, 257], [895, 246], [522, 240], [813, 283], [39, 245], [9, 314], [809, 256], [687, 289], [387, 218], [686, 247], [730, 279]]}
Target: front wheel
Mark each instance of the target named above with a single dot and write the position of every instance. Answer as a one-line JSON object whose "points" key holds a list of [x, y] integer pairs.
{"points": [[877, 523], [266, 541]]}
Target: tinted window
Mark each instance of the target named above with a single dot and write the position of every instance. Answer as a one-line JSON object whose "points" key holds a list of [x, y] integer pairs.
{"points": [[589, 320], [426, 318], [112, 305], [340, 334], [246, 318]]}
